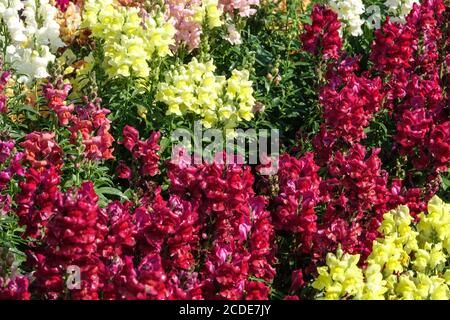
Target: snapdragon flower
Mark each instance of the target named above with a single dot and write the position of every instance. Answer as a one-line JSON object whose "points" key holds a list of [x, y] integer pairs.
{"points": [[245, 8], [404, 263], [69, 21], [349, 14], [234, 37], [34, 37], [195, 89], [129, 40], [190, 16]]}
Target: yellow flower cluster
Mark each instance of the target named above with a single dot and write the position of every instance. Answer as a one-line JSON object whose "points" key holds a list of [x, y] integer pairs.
{"points": [[130, 41], [195, 89], [409, 262]]}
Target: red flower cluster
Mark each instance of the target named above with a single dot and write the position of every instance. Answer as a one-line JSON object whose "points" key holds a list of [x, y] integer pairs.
{"points": [[344, 208], [122, 230], [89, 121], [74, 235], [62, 4], [14, 288], [298, 195], [349, 106], [394, 47], [321, 37], [36, 200], [356, 195], [144, 153], [224, 195], [205, 242], [344, 204], [56, 96], [93, 126], [164, 232], [207, 234], [408, 57], [42, 151]]}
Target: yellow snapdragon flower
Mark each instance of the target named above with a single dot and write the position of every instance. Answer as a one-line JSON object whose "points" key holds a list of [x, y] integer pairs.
{"points": [[129, 40], [342, 277], [404, 263], [194, 88], [213, 13], [208, 12]]}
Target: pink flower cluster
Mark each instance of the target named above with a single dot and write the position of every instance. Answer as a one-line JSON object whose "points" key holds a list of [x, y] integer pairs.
{"points": [[245, 8], [56, 97], [188, 31], [89, 121], [93, 126], [10, 165], [4, 77]]}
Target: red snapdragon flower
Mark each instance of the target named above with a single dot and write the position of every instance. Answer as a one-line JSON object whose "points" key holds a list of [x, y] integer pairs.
{"points": [[145, 152], [56, 96], [92, 124], [14, 288], [321, 37], [36, 202], [62, 4], [74, 236], [42, 151]]}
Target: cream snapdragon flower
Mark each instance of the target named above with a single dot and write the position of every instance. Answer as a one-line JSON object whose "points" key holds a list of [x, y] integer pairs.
{"points": [[404, 263], [349, 14], [130, 40], [194, 88]]}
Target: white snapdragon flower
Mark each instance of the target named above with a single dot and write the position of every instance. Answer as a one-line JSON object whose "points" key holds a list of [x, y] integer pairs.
{"points": [[48, 33], [349, 14], [15, 25], [34, 36]]}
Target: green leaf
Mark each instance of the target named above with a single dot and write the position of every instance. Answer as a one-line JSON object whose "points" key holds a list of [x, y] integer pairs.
{"points": [[111, 191], [25, 107]]}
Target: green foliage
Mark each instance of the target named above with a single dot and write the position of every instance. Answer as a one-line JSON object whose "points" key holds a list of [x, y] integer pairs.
{"points": [[11, 257]]}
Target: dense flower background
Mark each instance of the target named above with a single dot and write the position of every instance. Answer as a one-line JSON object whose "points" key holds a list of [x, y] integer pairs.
{"points": [[91, 91]]}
